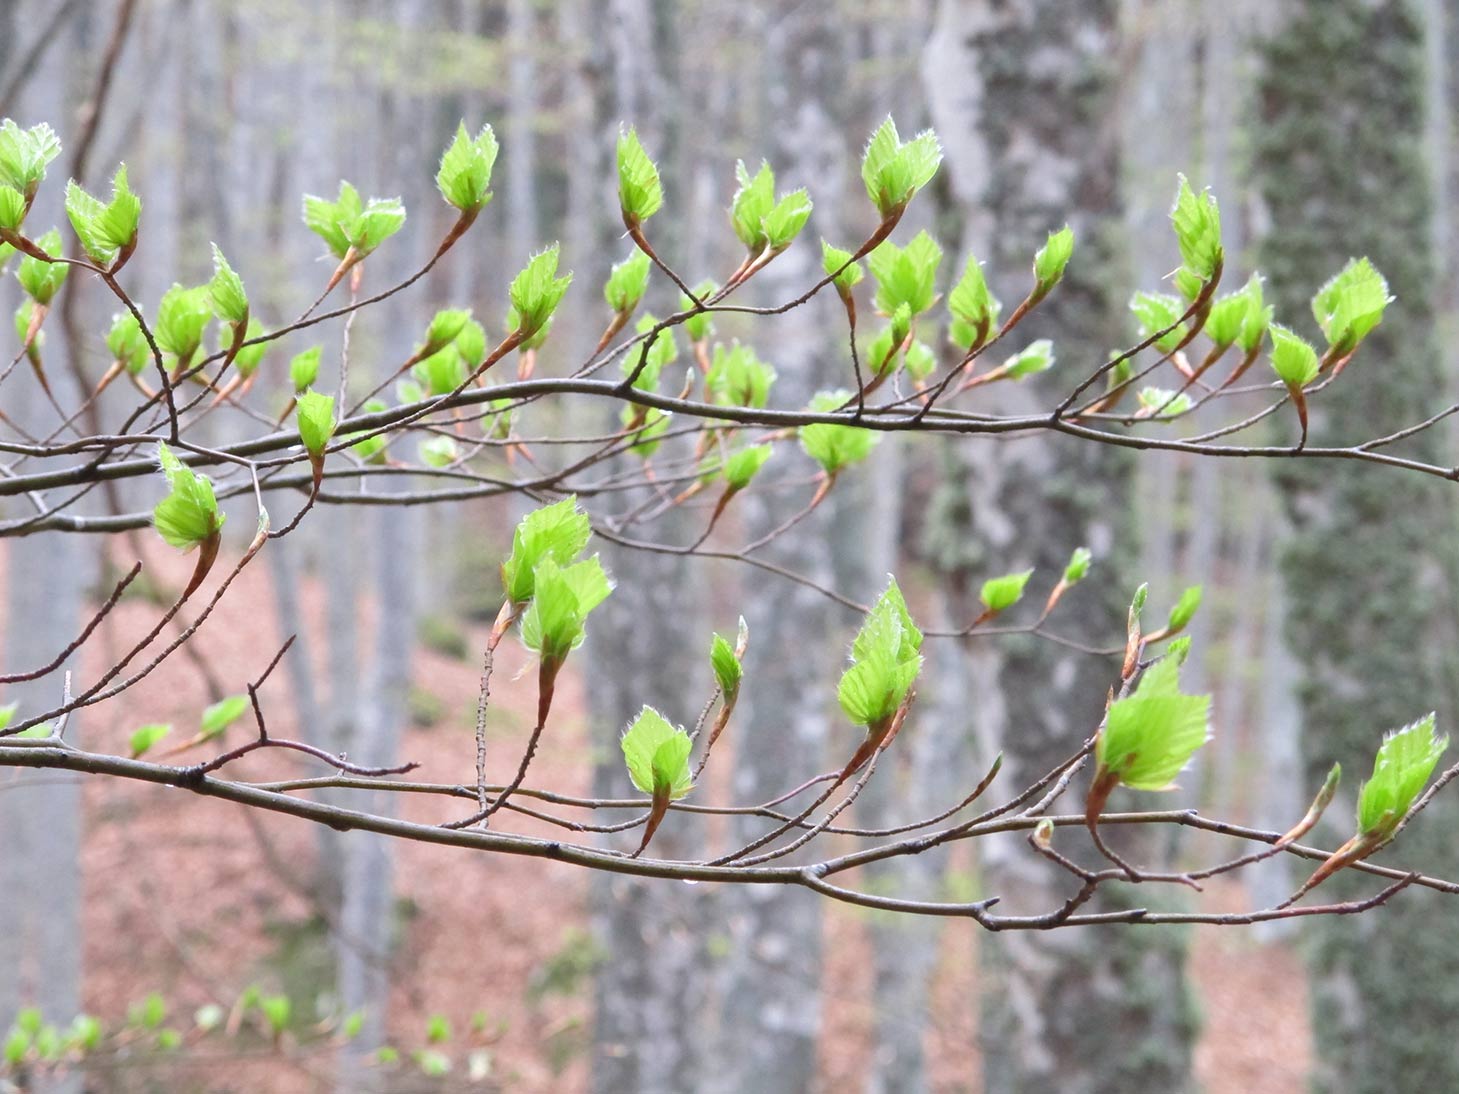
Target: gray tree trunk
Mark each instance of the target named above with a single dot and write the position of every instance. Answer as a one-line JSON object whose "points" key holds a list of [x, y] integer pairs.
{"points": [[1090, 1011]]}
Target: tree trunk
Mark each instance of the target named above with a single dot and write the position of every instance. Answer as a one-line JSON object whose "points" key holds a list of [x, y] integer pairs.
{"points": [[1051, 1001], [1371, 624]]}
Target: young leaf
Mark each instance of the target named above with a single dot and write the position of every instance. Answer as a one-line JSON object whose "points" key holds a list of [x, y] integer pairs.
{"points": [[1161, 402], [247, 357], [350, 224], [745, 464], [649, 426], [727, 668], [1078, 566], [189, 515], [885, 661], [834, 446], [537, 291], [737, 377], [105, 230], [25, 154], [906, 275], [640, 194], [662, 350], [12, 216], [894, 171], [559, 532], [225, 292], [304, 369], [182, 317], [1037, 357], [464, 177], [627, 283], [1184, 610], [837, 263], [657, 755], [562, 597], [1156, 311], [126, 344], [439, 451], [700, 325], [222, 714], [1052, 258], [1258, 316], [1402, 767], [1150, 736], [1001, 593], [1197, 222], [974, 308], [315, 413], [42, 280], [1350, 305], [1293, 358], [146, 738]]}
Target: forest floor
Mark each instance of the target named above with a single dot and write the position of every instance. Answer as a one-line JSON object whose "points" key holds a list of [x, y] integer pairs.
{"points": [[197, 900]]}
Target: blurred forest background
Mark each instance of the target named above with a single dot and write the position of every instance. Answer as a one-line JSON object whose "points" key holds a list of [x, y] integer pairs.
{"points": [[1325, 127]]}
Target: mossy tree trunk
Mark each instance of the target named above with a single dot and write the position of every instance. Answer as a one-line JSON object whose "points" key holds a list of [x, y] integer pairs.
{"points": [[1370, 567]]}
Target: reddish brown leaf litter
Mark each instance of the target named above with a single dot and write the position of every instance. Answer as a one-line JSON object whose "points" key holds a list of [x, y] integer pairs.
{"points": [[192, 898]]}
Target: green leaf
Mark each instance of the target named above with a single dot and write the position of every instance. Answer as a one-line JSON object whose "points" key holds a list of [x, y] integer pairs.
{"points": [[921, 361], [1001, 593], [837, 263], [662, 350], [464, 177], [85, 1033], [974, 308], [640, 194], [1226, 318], [317, 423], [893, 171], [1197, 222], [25, 154], [1038, 357], [1258, 316], [150, 1013], [371, 447], [126, 343], [835, 446], [1162, 402], [247, 359], [182, 317], [7, 714], [23, 317], [737, 377], [885, 661], [17, 1044], [352, 1025], [1051, 259], [1401, 769], [445, 327], [42, 280], [657, 755], [1078, 566], [728, 672], [627, 283], [222, 714], [537, 291], [189, 514], [350, 223], [562, 597], [12, 215], [1155, 312], [442, 372], [560, 532], [1188, 284], [276, 1010], [1350, 305], [304, 368], [438, 1029], [104, 229], [652, 424], [752, 204], [1293, 358], [470, 343], [1150, 736], [700, 325], [226, 294], [145, 738], [439, 451], [906, 275], [1184, 610], [745, 464]]}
